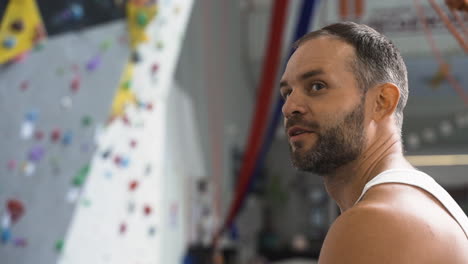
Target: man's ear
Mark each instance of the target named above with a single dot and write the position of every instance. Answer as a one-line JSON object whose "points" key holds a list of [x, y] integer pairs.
{"points": [[386, 100]]}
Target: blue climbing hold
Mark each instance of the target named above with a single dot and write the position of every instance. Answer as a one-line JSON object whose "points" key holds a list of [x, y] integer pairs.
{"points": [[6, 235], [32, 115], [9, 42], [67, 138]]}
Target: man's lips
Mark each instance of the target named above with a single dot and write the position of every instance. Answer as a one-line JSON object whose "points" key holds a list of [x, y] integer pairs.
{"points": [[297, 131]]}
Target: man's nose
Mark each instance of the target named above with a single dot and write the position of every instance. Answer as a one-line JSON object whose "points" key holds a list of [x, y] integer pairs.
{"points": [[293, 105]]}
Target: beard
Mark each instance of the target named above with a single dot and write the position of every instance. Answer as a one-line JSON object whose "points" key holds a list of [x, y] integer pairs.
{"points": [[337, 145]]}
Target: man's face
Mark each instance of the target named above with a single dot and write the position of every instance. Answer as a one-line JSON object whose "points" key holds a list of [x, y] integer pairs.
{"points": [[324, 109]]}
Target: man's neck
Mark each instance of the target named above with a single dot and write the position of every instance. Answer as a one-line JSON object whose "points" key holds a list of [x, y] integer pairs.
{"points": [[346, 183]]}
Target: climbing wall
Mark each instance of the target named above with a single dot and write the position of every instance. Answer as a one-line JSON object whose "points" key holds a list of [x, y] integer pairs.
{"points": [[83, 149], [135, 195], [53, 103]]}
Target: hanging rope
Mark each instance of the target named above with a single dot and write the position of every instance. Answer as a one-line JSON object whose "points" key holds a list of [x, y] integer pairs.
{"points": [[438, 55], [258, 125], [303, 25], [449, 25]]}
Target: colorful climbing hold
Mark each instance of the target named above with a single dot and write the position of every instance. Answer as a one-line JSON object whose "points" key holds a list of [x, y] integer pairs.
{"points": [[55, 135], [149, 107], [154, 68], [86, 202], [59, 245], [17, 26], [152, 231], [133, 185], [15, 208], [159, 45], [123, 228], [27, 130], [36, 154], [105, 45], [106, 153], [124, 162], [32, 115], [117, 160], [67, 138], [93, 63], [20, 242], [127, 84], [147, 210], [39, 46], [133, 143], [75, 84], [28, 168], [6, 235], [141, 19], [80, 177], [86, 121], [125, 120], [9, 42], [136, 58]]}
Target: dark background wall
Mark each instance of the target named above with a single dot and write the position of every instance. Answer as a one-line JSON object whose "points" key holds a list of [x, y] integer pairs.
{"points": [[60, 16]]}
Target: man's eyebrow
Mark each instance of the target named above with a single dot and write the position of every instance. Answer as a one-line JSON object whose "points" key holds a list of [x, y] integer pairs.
{"points": [[305, 76]]}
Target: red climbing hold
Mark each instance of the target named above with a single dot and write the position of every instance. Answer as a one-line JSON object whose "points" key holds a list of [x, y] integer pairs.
{"points": [[133, 185], [123, 228], [148, 210], [75, 84], [55, 135], [16, 209]]}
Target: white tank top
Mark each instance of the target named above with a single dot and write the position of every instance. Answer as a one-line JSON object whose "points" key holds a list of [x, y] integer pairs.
{"points": [[425, 182]]}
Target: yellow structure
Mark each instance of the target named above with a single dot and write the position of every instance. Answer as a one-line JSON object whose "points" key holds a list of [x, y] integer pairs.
{"points": [[20, 29], [139, 14], [124, 94]]}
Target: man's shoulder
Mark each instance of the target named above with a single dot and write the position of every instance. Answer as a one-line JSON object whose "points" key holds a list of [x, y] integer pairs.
{"points": [[376, 233]]}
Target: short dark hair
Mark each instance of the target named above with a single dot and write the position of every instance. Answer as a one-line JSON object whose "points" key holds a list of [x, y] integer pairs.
{"points": [[377, 59]]}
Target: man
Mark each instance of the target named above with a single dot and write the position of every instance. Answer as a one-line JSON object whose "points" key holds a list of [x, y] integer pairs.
{"points": [[345, 88]]}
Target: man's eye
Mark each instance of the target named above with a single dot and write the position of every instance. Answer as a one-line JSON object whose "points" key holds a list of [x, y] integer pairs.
{"points": [[315, 87], [285, 94]]}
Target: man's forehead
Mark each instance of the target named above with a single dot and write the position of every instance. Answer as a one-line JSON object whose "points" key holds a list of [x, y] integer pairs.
{"points": [[322, 52]]}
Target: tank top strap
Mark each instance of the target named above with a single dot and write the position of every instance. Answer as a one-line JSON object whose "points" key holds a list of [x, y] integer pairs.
{"points": [[425, 182]]}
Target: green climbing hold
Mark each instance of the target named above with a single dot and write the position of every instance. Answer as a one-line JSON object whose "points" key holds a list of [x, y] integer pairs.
{"points": [[39, 46], [86, 121], [142, 19], [105, 45], [59, 245], [127, 84], [86, 202], [80, 177], [159, 45]]}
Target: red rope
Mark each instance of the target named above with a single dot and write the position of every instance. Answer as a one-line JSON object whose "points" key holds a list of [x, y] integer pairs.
{"points": [[258, 125], [460, 22], [450, 78], [449, 25]]}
